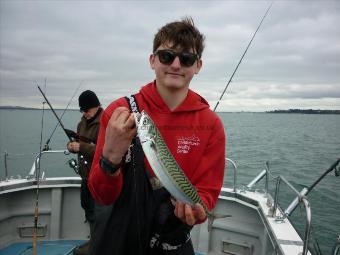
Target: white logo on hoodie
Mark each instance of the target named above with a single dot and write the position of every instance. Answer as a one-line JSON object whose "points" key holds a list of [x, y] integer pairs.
{"points": [[184, 144]]}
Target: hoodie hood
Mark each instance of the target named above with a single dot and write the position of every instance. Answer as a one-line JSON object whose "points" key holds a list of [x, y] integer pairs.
{"points": [[193, 101]]}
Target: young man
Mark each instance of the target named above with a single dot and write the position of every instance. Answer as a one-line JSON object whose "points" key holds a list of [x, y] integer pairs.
{"points": [[145, 219], [85, 146]]}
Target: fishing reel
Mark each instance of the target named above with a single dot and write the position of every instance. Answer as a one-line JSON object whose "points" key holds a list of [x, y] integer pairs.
{"points": [[46, 147], [73, 163]]}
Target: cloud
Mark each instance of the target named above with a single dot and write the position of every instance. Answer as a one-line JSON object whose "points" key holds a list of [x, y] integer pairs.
{"points": [[294, 58]]}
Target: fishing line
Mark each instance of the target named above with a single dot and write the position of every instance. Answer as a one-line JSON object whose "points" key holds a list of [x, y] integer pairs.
{"points": [[244, 53], [46, 147], [55, 114]]}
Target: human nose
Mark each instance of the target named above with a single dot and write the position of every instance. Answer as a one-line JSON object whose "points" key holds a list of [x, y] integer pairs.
{"points": [[176, 63]]}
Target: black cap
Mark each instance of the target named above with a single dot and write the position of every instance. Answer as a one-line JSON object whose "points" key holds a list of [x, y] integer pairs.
{"points": [[87, 100]]}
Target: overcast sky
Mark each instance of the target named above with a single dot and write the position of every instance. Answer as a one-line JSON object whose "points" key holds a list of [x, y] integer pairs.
{"points": [[293, 62]]}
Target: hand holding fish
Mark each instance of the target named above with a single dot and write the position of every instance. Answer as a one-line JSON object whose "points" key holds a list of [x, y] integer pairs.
{"points": [[188, 214], [191, 209], [119, 133]]}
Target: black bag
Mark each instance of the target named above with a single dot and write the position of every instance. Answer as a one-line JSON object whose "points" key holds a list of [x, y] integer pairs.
{"points": [[170, 236], [87, 201], [129, 226]]}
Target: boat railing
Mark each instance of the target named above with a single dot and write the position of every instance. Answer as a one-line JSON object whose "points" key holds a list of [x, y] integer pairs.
{"points": [[228, 160], [264, 173], [5, 162], [36, 165], [301, 198], [8, 157], [17, 157], [32, 173], [336, 249]]}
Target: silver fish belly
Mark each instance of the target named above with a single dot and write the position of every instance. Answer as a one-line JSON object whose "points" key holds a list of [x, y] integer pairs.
{"points": [[164, 164]]}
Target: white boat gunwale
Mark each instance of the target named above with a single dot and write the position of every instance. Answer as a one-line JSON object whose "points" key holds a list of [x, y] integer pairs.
{"points": [[256, 200]]}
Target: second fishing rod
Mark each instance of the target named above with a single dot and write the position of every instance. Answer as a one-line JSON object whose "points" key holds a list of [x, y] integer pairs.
{"points": [[71, 135], [46, 146], [244, 53]]}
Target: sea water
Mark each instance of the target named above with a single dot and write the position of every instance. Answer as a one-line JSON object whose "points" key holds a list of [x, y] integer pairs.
{"points": [[300, 147]]}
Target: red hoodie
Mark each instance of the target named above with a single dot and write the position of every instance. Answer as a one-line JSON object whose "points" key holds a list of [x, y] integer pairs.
{"points": [[193, 133]]}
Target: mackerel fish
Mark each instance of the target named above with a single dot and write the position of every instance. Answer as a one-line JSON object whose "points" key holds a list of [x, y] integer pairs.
{"points": [[165, 166]]}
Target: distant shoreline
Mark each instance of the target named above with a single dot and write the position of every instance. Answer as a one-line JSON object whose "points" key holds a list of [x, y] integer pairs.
{"points": [[307, 111], [29, 108], [296, 111]]}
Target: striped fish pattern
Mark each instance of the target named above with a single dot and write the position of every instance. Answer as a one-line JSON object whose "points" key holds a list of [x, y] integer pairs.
{"points": [[164, 164]]}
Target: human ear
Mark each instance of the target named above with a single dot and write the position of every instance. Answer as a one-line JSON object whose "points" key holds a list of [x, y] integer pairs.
{"points": [[152, 61], [198, 66]]}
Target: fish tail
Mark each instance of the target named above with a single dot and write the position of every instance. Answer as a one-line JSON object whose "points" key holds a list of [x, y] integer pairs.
{"points": [[213, 216]]}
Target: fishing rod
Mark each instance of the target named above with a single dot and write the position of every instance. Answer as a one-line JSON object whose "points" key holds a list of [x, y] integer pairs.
{"points": [[46, 147], [244, 53], [79, 137], [69, 133], [305, 191], [55, 114], [36, 208]]}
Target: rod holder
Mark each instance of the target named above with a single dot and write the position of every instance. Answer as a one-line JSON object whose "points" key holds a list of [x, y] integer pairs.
{"points": [[295, 202], [257, 179]]}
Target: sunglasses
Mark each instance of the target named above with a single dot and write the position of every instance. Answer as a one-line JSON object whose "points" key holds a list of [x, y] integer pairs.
{"points": [[166, 57]]}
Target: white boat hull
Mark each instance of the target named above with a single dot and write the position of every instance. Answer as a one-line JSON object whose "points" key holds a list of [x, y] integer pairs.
{"points": [[249, 231]]}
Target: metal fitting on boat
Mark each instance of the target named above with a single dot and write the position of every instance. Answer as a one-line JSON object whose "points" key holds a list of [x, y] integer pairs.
{"points": [[336, 248], [337, 171]]}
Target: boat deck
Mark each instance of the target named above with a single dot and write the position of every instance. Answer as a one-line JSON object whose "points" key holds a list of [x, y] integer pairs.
{"points": [[60, 247]]}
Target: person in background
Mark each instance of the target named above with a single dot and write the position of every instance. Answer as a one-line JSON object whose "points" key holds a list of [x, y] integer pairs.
{"points": [[85, 146], [145, 219]]}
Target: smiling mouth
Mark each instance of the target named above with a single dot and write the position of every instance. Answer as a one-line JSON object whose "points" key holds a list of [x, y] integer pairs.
{"points": [[175, 74]]}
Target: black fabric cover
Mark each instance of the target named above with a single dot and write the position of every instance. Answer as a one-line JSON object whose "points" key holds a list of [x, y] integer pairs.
{"points": [[86, 201], [129, 226]]}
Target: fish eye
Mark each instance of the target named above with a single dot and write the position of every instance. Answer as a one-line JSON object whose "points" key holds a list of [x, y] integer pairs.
{"points": [[145, 121]]}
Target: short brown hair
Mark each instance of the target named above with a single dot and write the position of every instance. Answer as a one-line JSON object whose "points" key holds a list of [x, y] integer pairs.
{"points": [[182, 34]]}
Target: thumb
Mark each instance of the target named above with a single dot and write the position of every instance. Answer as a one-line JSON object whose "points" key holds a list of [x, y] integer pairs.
{"points": [[199, 212]]}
